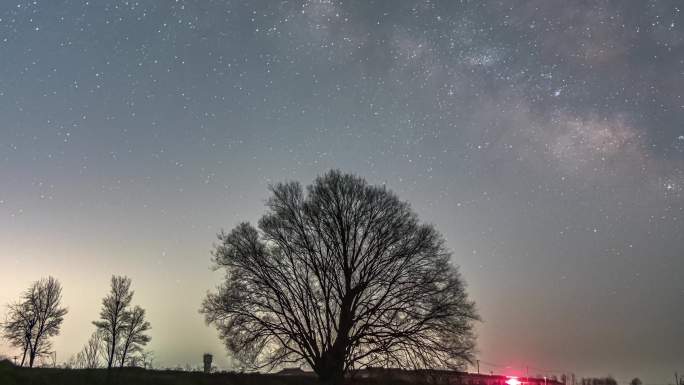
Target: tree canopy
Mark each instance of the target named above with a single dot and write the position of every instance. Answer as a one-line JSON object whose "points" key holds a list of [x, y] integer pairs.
{"points": [[33, 320], [341, 277], [122, 329]]}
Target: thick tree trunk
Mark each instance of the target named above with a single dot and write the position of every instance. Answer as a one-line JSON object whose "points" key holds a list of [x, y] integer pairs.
{"points": [[330, 368], [330, 373], [331, 378]]}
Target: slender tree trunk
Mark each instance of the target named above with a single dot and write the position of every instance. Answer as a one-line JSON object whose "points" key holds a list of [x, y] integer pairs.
{"points": [[112, 348], [123, 355], [111, 354], [23, 356], [34, 347]]}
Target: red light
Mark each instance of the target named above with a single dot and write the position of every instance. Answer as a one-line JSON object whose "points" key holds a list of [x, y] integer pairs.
{"points": [[513, 381]]}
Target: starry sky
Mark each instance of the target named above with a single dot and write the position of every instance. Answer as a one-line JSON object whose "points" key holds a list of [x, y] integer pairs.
{"points": [[544, 138]]}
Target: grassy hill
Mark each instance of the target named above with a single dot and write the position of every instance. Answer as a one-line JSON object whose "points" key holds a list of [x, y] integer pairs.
{"points": [[11, 375]]}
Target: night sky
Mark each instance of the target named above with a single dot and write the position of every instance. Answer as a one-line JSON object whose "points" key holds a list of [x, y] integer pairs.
{"points": [[544, 139]]}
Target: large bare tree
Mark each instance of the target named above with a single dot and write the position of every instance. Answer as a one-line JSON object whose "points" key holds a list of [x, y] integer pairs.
{"points": [[340, 278], [37, 317], [113, 315]]}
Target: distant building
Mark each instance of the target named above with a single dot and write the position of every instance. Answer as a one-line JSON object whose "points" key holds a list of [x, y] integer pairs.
{"points": [[298, 372], [599, 381]]}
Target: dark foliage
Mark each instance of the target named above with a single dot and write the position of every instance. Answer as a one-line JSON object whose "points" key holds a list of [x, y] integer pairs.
{"points": [[599, 381]]}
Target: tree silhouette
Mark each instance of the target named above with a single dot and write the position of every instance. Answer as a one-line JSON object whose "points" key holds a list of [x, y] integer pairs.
{"points": [[89, 356], [113, 315], [339, 278], [37, 317], [133, 337], [147, 359], [18, 328]]}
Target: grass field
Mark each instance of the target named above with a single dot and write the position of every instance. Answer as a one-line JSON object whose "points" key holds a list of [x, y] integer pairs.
{"points": [[11, 375]]}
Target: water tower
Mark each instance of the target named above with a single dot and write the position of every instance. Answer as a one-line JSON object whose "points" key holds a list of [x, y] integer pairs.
{"points": [[207, 362]]}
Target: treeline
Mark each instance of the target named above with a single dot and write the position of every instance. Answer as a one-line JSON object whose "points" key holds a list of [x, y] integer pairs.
{"points": [[338, 276], [118, 339], [601, 381]]}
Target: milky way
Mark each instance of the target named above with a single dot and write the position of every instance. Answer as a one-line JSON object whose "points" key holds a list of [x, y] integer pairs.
{"points": [[545, 139]]}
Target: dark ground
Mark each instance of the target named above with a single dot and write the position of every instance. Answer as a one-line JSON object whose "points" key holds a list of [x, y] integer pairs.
{"points": [[11, 375]]}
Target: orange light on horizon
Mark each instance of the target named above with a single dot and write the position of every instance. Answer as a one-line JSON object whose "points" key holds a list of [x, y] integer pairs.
{"points": [[513, 381]]}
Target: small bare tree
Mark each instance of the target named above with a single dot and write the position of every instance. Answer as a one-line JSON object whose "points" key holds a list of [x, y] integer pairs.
{"points": [[37, 317], [133, 337], [113, 315], [18, 328], [343, 277], [147, 359], [89, 356]]}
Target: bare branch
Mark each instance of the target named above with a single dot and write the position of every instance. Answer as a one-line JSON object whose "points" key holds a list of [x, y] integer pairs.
{"points": [[339, 278]]}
